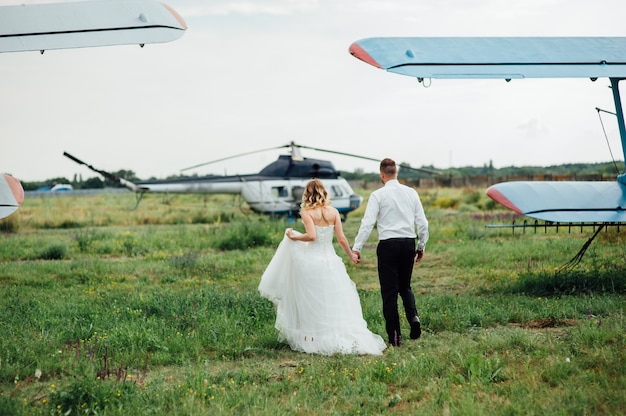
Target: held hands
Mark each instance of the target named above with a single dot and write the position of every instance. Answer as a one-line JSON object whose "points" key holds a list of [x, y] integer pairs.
{"points": [[355, 256]]}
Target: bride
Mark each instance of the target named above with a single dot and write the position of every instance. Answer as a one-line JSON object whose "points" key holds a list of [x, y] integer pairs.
{"points": [[318, 309]]}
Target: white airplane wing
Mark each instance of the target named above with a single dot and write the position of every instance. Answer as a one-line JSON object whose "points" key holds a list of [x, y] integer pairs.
{"points": [[11, 195], [40, 27], [496, 57]]}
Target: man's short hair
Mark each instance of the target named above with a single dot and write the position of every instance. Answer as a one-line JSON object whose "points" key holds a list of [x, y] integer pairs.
{"points": [[388, 167]]}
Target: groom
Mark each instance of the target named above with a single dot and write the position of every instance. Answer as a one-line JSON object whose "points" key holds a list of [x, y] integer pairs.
{"points": [[396, 209]]}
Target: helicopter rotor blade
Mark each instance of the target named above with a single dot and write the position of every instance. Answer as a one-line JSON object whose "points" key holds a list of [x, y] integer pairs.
{"points": [[431, 171], [233, 157], [296, 155]]}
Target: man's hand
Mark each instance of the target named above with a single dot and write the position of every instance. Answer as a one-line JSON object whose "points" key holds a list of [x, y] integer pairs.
{"points": [[357, 257], [419, 254]]}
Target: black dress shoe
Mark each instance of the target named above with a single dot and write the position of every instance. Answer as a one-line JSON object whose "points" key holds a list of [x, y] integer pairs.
{"points": [[416, 328]]}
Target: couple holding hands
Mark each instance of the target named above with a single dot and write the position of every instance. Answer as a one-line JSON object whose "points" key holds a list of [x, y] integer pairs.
{"points": [[318, 309]]}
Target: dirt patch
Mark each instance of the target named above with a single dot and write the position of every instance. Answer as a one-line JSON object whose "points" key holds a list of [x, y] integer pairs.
{"points": [[547, 323]]}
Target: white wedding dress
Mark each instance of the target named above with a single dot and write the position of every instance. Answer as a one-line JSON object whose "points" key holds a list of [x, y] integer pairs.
{"points": [[318, 309]]}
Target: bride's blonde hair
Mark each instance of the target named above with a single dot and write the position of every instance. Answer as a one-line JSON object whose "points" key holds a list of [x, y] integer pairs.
{"points": [[314, 195]]}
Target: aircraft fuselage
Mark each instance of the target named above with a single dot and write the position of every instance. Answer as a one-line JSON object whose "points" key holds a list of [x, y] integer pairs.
{"points": [[262, 194]]}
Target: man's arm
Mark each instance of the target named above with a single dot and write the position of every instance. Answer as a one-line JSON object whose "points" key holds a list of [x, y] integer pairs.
{"points": [[367, 223], [422, 226]]}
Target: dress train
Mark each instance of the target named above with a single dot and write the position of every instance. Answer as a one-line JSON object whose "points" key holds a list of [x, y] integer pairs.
{"points": [[318, 309]]}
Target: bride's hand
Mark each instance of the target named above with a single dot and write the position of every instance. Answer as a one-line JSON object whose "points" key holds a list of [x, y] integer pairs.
{"points": [[289, 233]]}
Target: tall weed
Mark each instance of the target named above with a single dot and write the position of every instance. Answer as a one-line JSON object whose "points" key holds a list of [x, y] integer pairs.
{"points": [[249, 234]]}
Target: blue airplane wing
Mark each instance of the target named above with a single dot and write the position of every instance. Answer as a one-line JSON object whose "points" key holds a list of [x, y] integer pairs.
{"points": [[515, 58], [44, 26], [563, 201], [496, 57]]}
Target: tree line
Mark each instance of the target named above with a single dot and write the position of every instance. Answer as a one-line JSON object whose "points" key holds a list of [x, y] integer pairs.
{"points": [[603, 169]]}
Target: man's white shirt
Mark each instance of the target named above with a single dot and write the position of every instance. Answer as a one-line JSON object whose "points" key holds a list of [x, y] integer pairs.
{"points": [[397, 209]]}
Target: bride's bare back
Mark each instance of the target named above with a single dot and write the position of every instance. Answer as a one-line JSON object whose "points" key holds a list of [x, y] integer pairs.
{"points": [[322, 216], [317, 211]]}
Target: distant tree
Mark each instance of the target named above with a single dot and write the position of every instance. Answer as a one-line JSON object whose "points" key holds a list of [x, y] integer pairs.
{"points": [[605, 168], [55, 181], [32, 186], [129, 175], [93, 183]]}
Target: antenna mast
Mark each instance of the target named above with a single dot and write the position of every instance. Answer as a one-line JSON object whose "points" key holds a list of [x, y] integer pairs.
{"points": [[620, 121]]}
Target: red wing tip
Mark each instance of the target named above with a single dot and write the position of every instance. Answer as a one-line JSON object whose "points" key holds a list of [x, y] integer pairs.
{"points": [[16, 188], [497, 196], [358, 52], [177, 16]]}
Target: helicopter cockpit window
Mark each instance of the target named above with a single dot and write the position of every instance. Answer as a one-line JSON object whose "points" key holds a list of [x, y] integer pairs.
{"points": [[337, 191], [280, 191]]}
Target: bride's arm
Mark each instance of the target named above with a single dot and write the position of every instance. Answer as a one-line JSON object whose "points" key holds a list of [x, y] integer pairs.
{"points": [[342, 240], [309, 229]]}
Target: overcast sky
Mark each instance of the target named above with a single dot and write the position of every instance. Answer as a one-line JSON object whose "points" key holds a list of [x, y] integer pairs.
{"points": [[253, 74]]}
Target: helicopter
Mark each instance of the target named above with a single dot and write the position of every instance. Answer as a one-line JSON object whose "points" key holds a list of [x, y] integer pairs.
{"points": [[277, 189]]}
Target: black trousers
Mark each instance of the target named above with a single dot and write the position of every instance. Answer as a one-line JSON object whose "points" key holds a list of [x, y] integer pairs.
{"points": [[396, 257]]}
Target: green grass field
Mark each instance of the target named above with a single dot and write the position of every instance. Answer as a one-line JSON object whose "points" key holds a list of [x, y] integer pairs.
{"points": [[109, 311]]}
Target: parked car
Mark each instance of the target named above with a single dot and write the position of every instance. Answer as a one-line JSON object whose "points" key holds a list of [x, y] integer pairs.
{"points": [[61, 187]]}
